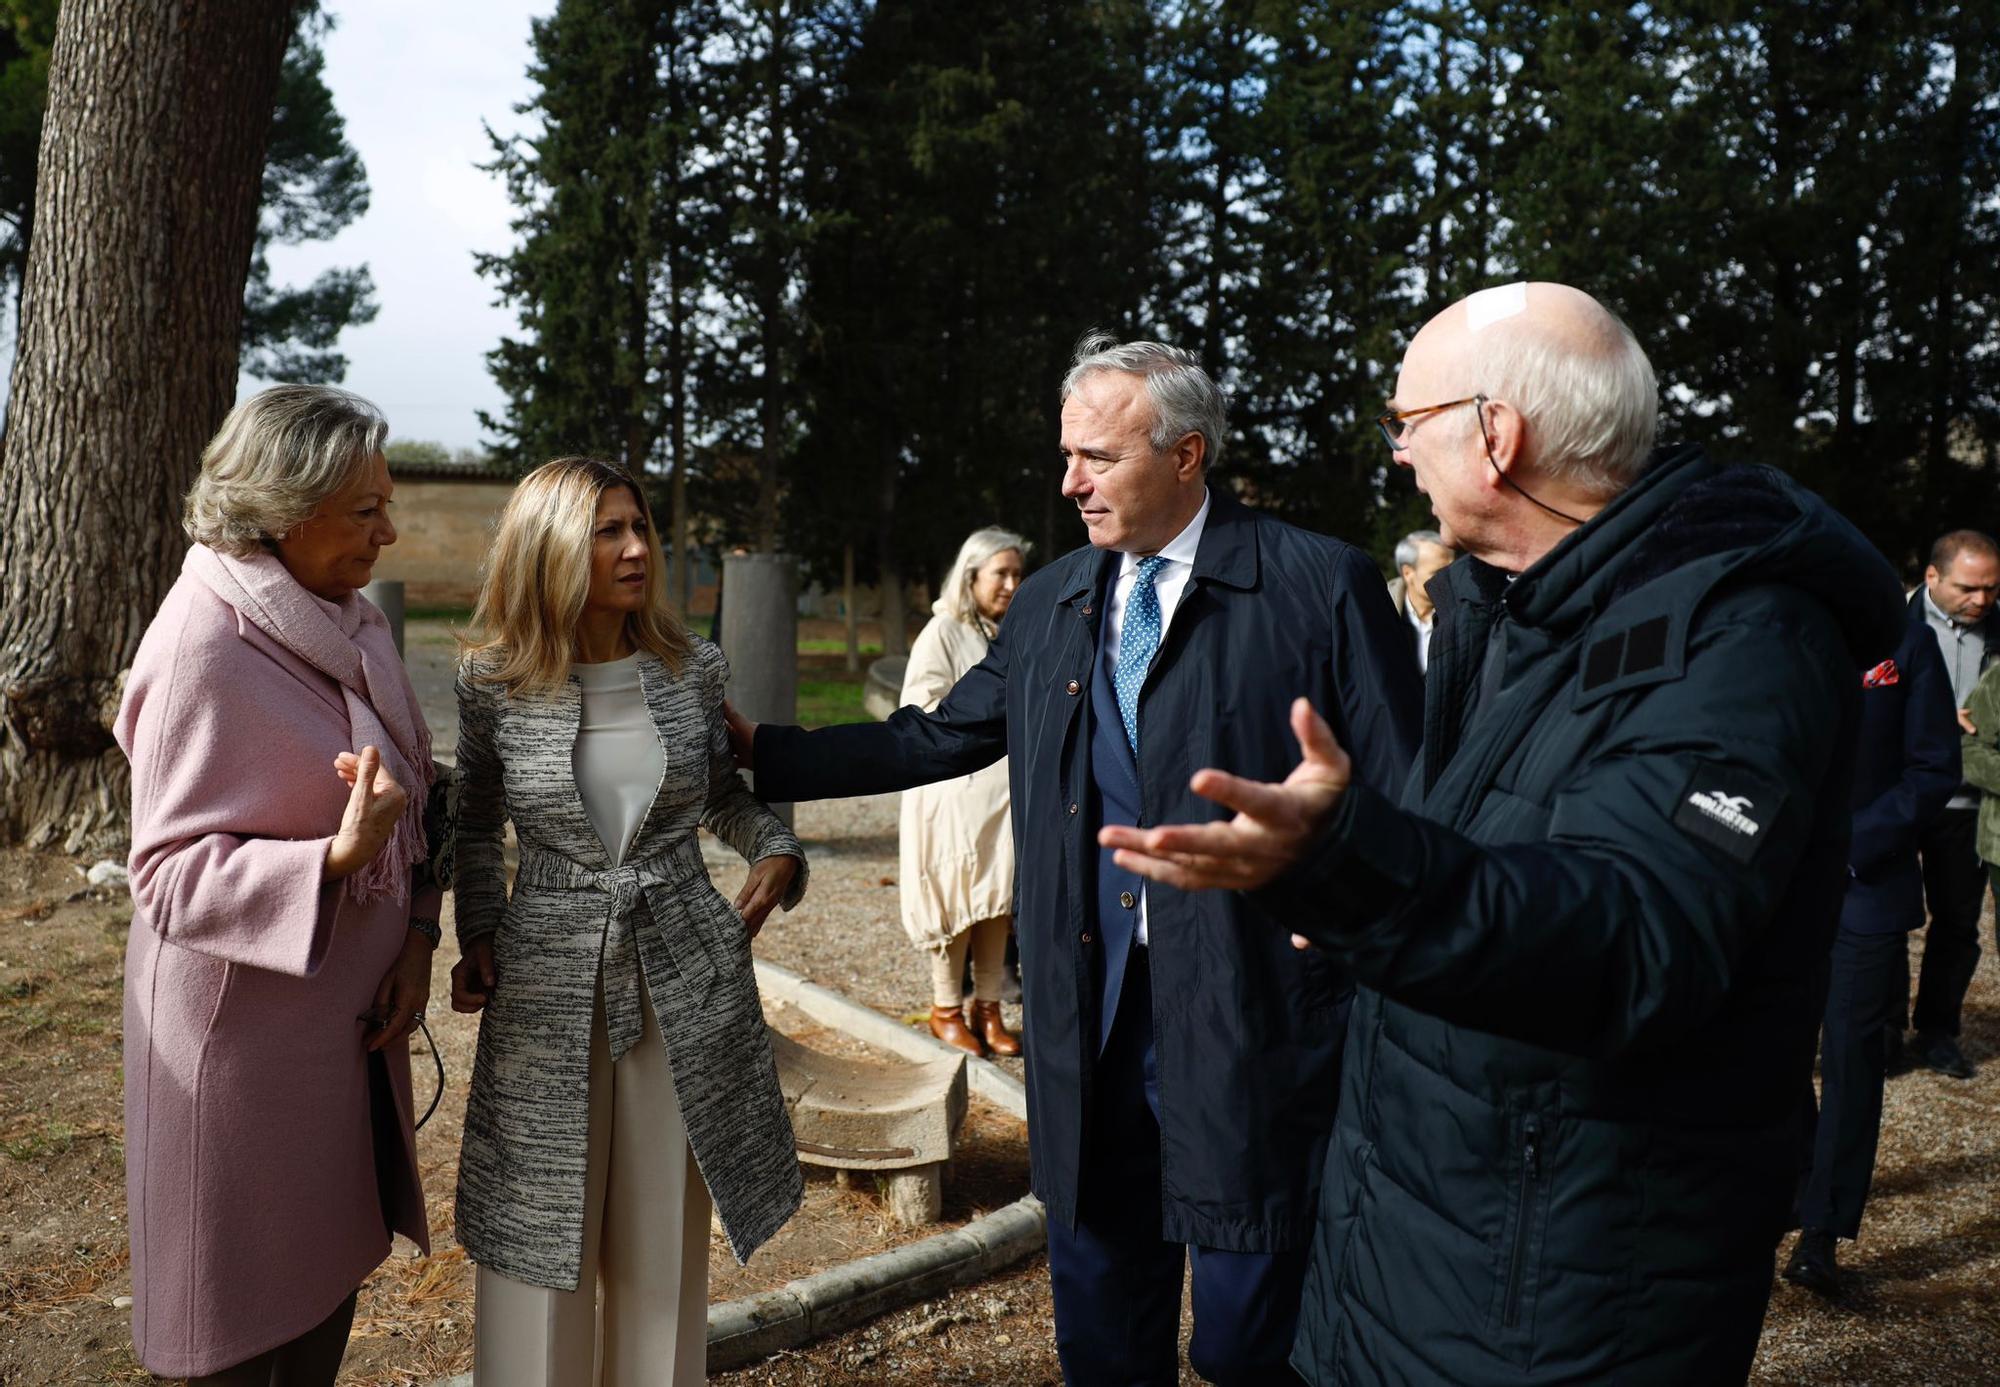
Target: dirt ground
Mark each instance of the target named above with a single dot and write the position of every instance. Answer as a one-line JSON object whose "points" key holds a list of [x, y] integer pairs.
{"points": [[1923, 1307]]}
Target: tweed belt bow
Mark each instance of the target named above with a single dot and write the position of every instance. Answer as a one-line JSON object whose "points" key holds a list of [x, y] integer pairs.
{"points": [[667, 923]]}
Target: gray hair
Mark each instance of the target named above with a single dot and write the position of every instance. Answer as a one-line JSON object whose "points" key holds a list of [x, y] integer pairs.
{"points": [[955, 598], [277, 456], [1185, 399], [1591, 412], [1410, 547]]}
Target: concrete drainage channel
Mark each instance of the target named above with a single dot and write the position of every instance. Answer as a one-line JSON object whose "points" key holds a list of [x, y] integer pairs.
{"points": [[743, 1331]]}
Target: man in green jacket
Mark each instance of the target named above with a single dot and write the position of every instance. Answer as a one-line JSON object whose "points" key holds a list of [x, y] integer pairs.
{"points": [[1982, 768], [1593, 935]]}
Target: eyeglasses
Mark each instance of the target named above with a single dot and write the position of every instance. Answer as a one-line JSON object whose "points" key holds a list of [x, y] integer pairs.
{"points": [[1392, 424]]}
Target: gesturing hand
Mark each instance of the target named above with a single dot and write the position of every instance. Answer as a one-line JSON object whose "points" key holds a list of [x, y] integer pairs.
{"points": [[742, 737], [1272, 826], [764, 888], [373, 806]]}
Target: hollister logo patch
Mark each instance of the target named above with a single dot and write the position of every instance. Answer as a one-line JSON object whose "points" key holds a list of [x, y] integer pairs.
{"points": [[1882, 676], [1728, 809]]}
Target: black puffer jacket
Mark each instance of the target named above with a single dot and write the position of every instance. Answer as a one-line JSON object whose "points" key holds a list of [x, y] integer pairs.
{"points": [[1592, 944]]}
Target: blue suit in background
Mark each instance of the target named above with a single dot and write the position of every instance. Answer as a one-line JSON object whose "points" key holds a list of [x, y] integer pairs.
{"points": [[1906, 767]]}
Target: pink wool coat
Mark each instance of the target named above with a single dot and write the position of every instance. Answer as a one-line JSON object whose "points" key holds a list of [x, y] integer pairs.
{"points": [[250, 1169]]}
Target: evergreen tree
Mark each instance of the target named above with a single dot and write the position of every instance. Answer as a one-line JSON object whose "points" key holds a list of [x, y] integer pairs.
{"points": [[775, 57], [1326, 299], [957, 252], [157, 128], [606, 234], [27, 29], [313, 186]]}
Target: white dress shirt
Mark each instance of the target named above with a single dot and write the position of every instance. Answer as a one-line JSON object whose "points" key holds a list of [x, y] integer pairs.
{"points": [[1423, 629], [1169, 583]]}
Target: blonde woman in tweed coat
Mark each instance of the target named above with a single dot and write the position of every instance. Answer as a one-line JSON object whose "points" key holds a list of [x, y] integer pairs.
{"points": [[624, 1076]]}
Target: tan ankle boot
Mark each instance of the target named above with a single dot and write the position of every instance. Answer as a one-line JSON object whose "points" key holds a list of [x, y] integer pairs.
{"points": [[948, 1025], [993, 1030]]}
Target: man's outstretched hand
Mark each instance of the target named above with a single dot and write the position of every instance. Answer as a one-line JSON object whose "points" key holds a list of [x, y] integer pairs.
{"points": [[742, 737], [1272, 827]]}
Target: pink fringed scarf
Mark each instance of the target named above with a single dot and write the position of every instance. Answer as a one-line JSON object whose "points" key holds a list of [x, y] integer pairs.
{"points": [[350, 643]]}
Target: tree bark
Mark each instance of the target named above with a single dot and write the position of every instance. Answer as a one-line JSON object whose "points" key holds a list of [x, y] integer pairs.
{"points": [[159, 114], [888, 562], [847, 603], [771, 274], [680, 578]]}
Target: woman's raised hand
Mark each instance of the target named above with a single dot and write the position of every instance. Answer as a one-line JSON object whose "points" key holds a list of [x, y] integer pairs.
{"points": [[373, 806]]}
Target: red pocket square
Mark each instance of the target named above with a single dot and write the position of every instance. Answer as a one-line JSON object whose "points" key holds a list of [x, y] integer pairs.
{"points": [[1881, 676]]}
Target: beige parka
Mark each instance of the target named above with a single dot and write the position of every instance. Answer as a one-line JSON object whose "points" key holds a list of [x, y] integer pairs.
{"points": [[957, 839]]}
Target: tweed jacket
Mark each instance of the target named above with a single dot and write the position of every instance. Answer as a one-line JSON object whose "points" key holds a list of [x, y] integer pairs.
{"points": [[654, 920]]}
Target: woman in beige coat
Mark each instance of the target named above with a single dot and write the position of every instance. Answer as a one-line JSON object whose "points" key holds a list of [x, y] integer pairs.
{"points": [[957, 836]]}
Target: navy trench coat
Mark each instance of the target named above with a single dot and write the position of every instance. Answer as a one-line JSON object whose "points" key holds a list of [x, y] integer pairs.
{"points": [[1248, 1031]]}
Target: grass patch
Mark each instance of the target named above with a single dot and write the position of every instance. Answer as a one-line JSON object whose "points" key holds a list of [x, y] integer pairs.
{"points": [[823, 645], [825, 700], [50, 1139]]}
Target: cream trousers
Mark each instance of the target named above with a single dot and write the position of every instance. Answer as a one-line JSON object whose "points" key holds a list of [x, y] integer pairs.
{"points": [[988, 941], [639, 1314]]}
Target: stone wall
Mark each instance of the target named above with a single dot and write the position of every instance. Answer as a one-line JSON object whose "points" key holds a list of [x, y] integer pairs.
{"points": [[443, 530]]}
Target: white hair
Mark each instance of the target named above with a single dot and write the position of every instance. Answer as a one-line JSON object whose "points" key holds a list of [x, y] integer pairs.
{"points": [[955, 597], [277, 456], [1185, 399], [1591, 411], [1410, 547]]}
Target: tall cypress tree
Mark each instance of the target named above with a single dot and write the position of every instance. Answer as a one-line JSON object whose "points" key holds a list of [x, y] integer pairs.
{"points": [[606, 192], [978, 211]]}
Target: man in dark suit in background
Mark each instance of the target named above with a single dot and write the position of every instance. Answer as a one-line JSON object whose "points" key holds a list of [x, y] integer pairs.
{"points": [[1420, 556], [1905, 768], [1955, 604], [1182, 1058]]}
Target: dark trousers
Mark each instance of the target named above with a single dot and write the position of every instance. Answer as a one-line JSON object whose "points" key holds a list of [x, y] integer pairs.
{"points": [[311, 1360], [1954, 889], [1861, 1005], [1117, 1282]]}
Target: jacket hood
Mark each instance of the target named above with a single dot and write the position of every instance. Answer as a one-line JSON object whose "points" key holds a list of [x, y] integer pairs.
{"points": [[1689, 526]]}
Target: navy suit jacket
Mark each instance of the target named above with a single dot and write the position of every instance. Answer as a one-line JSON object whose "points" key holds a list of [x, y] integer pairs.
{"points": [[1247, 1030], [1906, 767]]}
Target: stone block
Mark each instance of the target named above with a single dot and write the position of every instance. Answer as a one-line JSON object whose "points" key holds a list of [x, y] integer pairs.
{"points": [[868, 1115]]}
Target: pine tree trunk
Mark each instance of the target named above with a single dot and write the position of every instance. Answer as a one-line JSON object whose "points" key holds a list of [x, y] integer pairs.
{"points": [[680, 578], [771, 278], [847, 602], [889, 566], [151, 158]]}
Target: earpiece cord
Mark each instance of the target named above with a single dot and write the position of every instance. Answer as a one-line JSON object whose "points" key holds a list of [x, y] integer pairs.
{"points": [[438, 1060], [1494, 463]]}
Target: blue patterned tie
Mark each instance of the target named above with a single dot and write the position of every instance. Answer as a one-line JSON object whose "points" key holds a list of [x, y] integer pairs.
{"points": [[1138, 638]]}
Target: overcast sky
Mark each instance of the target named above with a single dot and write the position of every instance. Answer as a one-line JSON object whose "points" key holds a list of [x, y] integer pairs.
{"points": [[414, 81]]}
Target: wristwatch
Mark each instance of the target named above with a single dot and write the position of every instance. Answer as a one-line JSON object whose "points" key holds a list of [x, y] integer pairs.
{"points": [[429, 929]]}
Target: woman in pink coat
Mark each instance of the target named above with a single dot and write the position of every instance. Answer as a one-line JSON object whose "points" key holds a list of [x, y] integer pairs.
{"points": [[278, 961]]}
